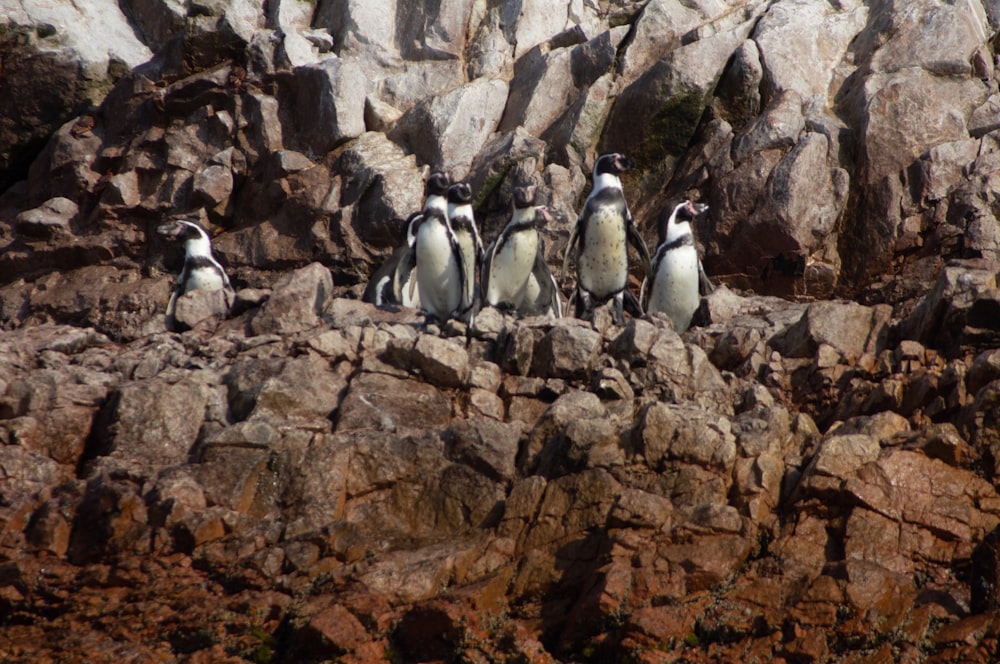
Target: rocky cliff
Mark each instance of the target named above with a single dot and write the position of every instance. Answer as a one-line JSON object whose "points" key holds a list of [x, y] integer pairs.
{"points": [[810, 475]]}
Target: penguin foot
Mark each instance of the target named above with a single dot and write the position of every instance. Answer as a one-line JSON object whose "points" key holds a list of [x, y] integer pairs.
{"points": [[617, 314]]}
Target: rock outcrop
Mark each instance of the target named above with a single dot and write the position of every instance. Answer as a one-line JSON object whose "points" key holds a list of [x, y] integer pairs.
{"points": [[809, 474]]}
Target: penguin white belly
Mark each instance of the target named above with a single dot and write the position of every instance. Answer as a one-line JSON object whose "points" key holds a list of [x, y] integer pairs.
{"points": [[511, 267], [603, 262], [203, 278], [438, 278], [675, 287]]}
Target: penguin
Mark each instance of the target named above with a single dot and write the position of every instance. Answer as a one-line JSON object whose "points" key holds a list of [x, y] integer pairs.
{"points": [[440, 267], [201, 271], [679, 279], [404, 280], [389, 284], [600, 235], [463, 225], [515, 277]]}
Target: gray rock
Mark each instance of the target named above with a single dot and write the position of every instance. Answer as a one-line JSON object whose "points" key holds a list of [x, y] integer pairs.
{"points": [[297, 303], [670, 97], [122, 189], [542, 87], [78, 52], [660, 29], [356, 22], [955, 314], [53, 217], [441, 361], [691, 435], [448, 131], [801, 43], [487, 446], [386, 403], [153, 423], [304, 389], [198, 307], [940, 39], [383, 184], [852, 329], [324, 108], [569, 349]]}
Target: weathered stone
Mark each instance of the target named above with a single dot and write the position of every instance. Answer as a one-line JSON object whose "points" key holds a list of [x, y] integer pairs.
{"points": [[304, 388], [679, 433], [196, 307], [836, 460], [53, 217], [549, 431], [955, 310], [849, 328], [324, 108], [448, 130], [297, 303], [487, 446], [442, 362], [154, 422], [380, 402], [568, 350]]}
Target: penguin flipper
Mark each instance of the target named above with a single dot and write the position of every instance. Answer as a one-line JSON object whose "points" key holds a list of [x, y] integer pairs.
{"points": [[631, 304], [467, 298], [640, 246], [705, 285], [642, 295], [484, 271], [405, 267], [573, 238]]}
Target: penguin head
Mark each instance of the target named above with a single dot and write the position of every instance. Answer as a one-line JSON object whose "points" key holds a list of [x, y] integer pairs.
{"points": [[678, 222], [196, 240], [460, 193], [524, 197], [437, 184], [612, 163], [542, 216]]}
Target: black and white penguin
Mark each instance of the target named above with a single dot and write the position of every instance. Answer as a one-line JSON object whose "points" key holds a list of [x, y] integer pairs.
{"points": [[600, 236], [679, 280], [440, 267], [515, 277], [389, 284], [463, 225], [201, 271], [405, 278]]}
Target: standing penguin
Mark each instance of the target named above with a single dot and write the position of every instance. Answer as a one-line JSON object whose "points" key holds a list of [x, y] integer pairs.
{"points": [[440, 267], [405, 277], [384, 287], [201, 271], [515, 276], [679, 280], [601, 232], [463, 225]]}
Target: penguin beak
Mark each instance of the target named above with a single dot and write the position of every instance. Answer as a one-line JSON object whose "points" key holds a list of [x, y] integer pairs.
{"points": [[542, 216], [697, 208], [169, 229], [623, 163]]}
